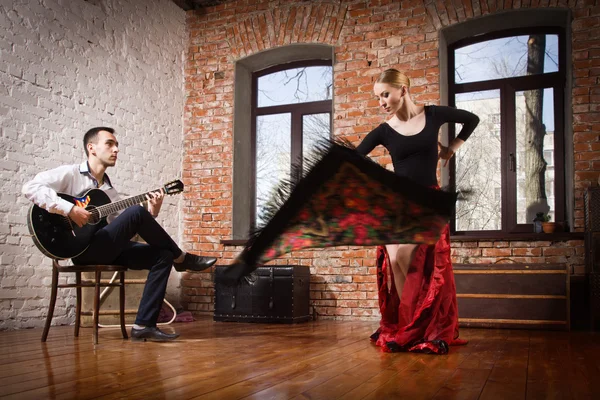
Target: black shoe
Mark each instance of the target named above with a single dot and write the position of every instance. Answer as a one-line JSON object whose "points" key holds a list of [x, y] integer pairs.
{"points": [[153, 334], [192, 262]]}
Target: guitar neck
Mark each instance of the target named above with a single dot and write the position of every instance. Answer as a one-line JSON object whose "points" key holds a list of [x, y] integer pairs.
{"points": [[119, 205]]}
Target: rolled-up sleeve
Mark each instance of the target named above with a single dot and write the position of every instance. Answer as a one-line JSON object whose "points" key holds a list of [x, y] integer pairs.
{"points": [[42, 190]]}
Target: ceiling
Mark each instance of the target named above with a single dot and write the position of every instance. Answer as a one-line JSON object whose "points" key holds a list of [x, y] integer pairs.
{"points": [[196, 4]]}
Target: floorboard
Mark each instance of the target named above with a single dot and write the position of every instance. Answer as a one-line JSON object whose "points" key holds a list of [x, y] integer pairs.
{"points": [[315, 360]]}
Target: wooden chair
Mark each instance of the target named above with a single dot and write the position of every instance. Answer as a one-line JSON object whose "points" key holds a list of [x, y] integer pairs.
{"points": [[96, 284]]}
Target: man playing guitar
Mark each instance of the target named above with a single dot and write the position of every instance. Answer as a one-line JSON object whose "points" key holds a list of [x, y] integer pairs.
{"points": [[111, 243]]}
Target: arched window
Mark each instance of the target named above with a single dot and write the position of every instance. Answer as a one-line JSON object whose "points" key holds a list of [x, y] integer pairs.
{"points": [[513, 166], [282, 104], [292, 110]]}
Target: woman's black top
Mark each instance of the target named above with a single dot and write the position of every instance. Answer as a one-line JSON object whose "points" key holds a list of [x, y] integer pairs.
{"points": [[416, 156]]}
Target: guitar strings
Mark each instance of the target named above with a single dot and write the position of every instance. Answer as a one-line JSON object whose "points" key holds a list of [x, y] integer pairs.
{"points": [[112, 207], [97, 212]]}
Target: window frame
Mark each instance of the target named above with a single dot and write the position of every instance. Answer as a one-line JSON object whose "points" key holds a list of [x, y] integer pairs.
{"points": [[508, 87], [297, 111]]}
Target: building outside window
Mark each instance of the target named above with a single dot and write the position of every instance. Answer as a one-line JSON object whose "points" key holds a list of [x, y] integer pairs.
{"points": [[514, 81]]}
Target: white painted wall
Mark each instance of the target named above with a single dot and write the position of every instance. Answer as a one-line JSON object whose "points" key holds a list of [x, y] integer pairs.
{"points": [[67, 66]]}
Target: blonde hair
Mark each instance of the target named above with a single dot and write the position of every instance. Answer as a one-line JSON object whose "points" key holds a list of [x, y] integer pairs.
{"points": [[393, 77]]}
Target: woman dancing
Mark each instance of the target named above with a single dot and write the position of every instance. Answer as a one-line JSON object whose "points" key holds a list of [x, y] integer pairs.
{"points": [[417, 294]]}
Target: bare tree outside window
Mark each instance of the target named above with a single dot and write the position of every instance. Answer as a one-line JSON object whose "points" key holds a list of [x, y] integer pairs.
{"points": [[296, 85], [534, 132], [503, 60], [293, 113], [273, 156]]}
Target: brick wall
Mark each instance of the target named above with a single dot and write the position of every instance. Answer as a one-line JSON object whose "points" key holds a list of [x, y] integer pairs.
{"points": [[367, 35], [570, 252], [66, 66]]}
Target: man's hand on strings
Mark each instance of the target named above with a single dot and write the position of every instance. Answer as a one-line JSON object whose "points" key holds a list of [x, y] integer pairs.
{"points": [[155, 200], [79, 215]]}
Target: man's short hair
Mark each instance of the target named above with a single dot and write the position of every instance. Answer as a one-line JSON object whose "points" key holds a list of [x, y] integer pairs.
{"points": [[91, 136]]}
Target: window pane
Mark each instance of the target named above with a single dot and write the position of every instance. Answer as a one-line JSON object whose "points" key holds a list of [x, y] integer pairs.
{"points": [[534, 116], [315, 127], [503, 58], [478, 171], [273, 156], [296, 85]]}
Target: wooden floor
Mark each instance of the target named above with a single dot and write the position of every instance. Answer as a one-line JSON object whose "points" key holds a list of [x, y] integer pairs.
{"points": [[314, 360]]}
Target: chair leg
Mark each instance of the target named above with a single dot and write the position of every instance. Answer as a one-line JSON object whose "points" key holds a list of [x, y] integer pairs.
{"points": [[96, 304], [78, 303], [122, 304], [52, 302]]}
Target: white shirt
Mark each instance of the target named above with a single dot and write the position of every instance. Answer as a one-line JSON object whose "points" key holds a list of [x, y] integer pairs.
{"points": [[73, 180]]}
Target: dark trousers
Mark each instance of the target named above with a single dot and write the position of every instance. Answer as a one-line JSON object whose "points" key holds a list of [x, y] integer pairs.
{"points": [[112, 245]]}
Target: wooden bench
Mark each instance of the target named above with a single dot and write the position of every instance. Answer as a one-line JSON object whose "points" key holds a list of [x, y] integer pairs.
{"points": [[529, 296]]}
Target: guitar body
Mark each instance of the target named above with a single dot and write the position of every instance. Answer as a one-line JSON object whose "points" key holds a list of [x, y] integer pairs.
{"points": [[57, 236]]}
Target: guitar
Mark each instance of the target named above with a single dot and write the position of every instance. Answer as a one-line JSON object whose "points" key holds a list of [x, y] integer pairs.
{"points": [[58, 237]]}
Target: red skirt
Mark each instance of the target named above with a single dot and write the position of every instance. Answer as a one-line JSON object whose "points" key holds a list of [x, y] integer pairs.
{"points": [[425, 319]]}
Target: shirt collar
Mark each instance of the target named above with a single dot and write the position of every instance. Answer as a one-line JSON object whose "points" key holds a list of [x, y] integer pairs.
{"points": [[84, 168]]}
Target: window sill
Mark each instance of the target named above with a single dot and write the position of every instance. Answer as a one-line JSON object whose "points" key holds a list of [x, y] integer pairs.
{"points": [[532, 237]]}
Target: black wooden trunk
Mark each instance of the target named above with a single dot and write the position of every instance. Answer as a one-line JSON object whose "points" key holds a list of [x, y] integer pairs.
{"points": [[278, 293]]}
